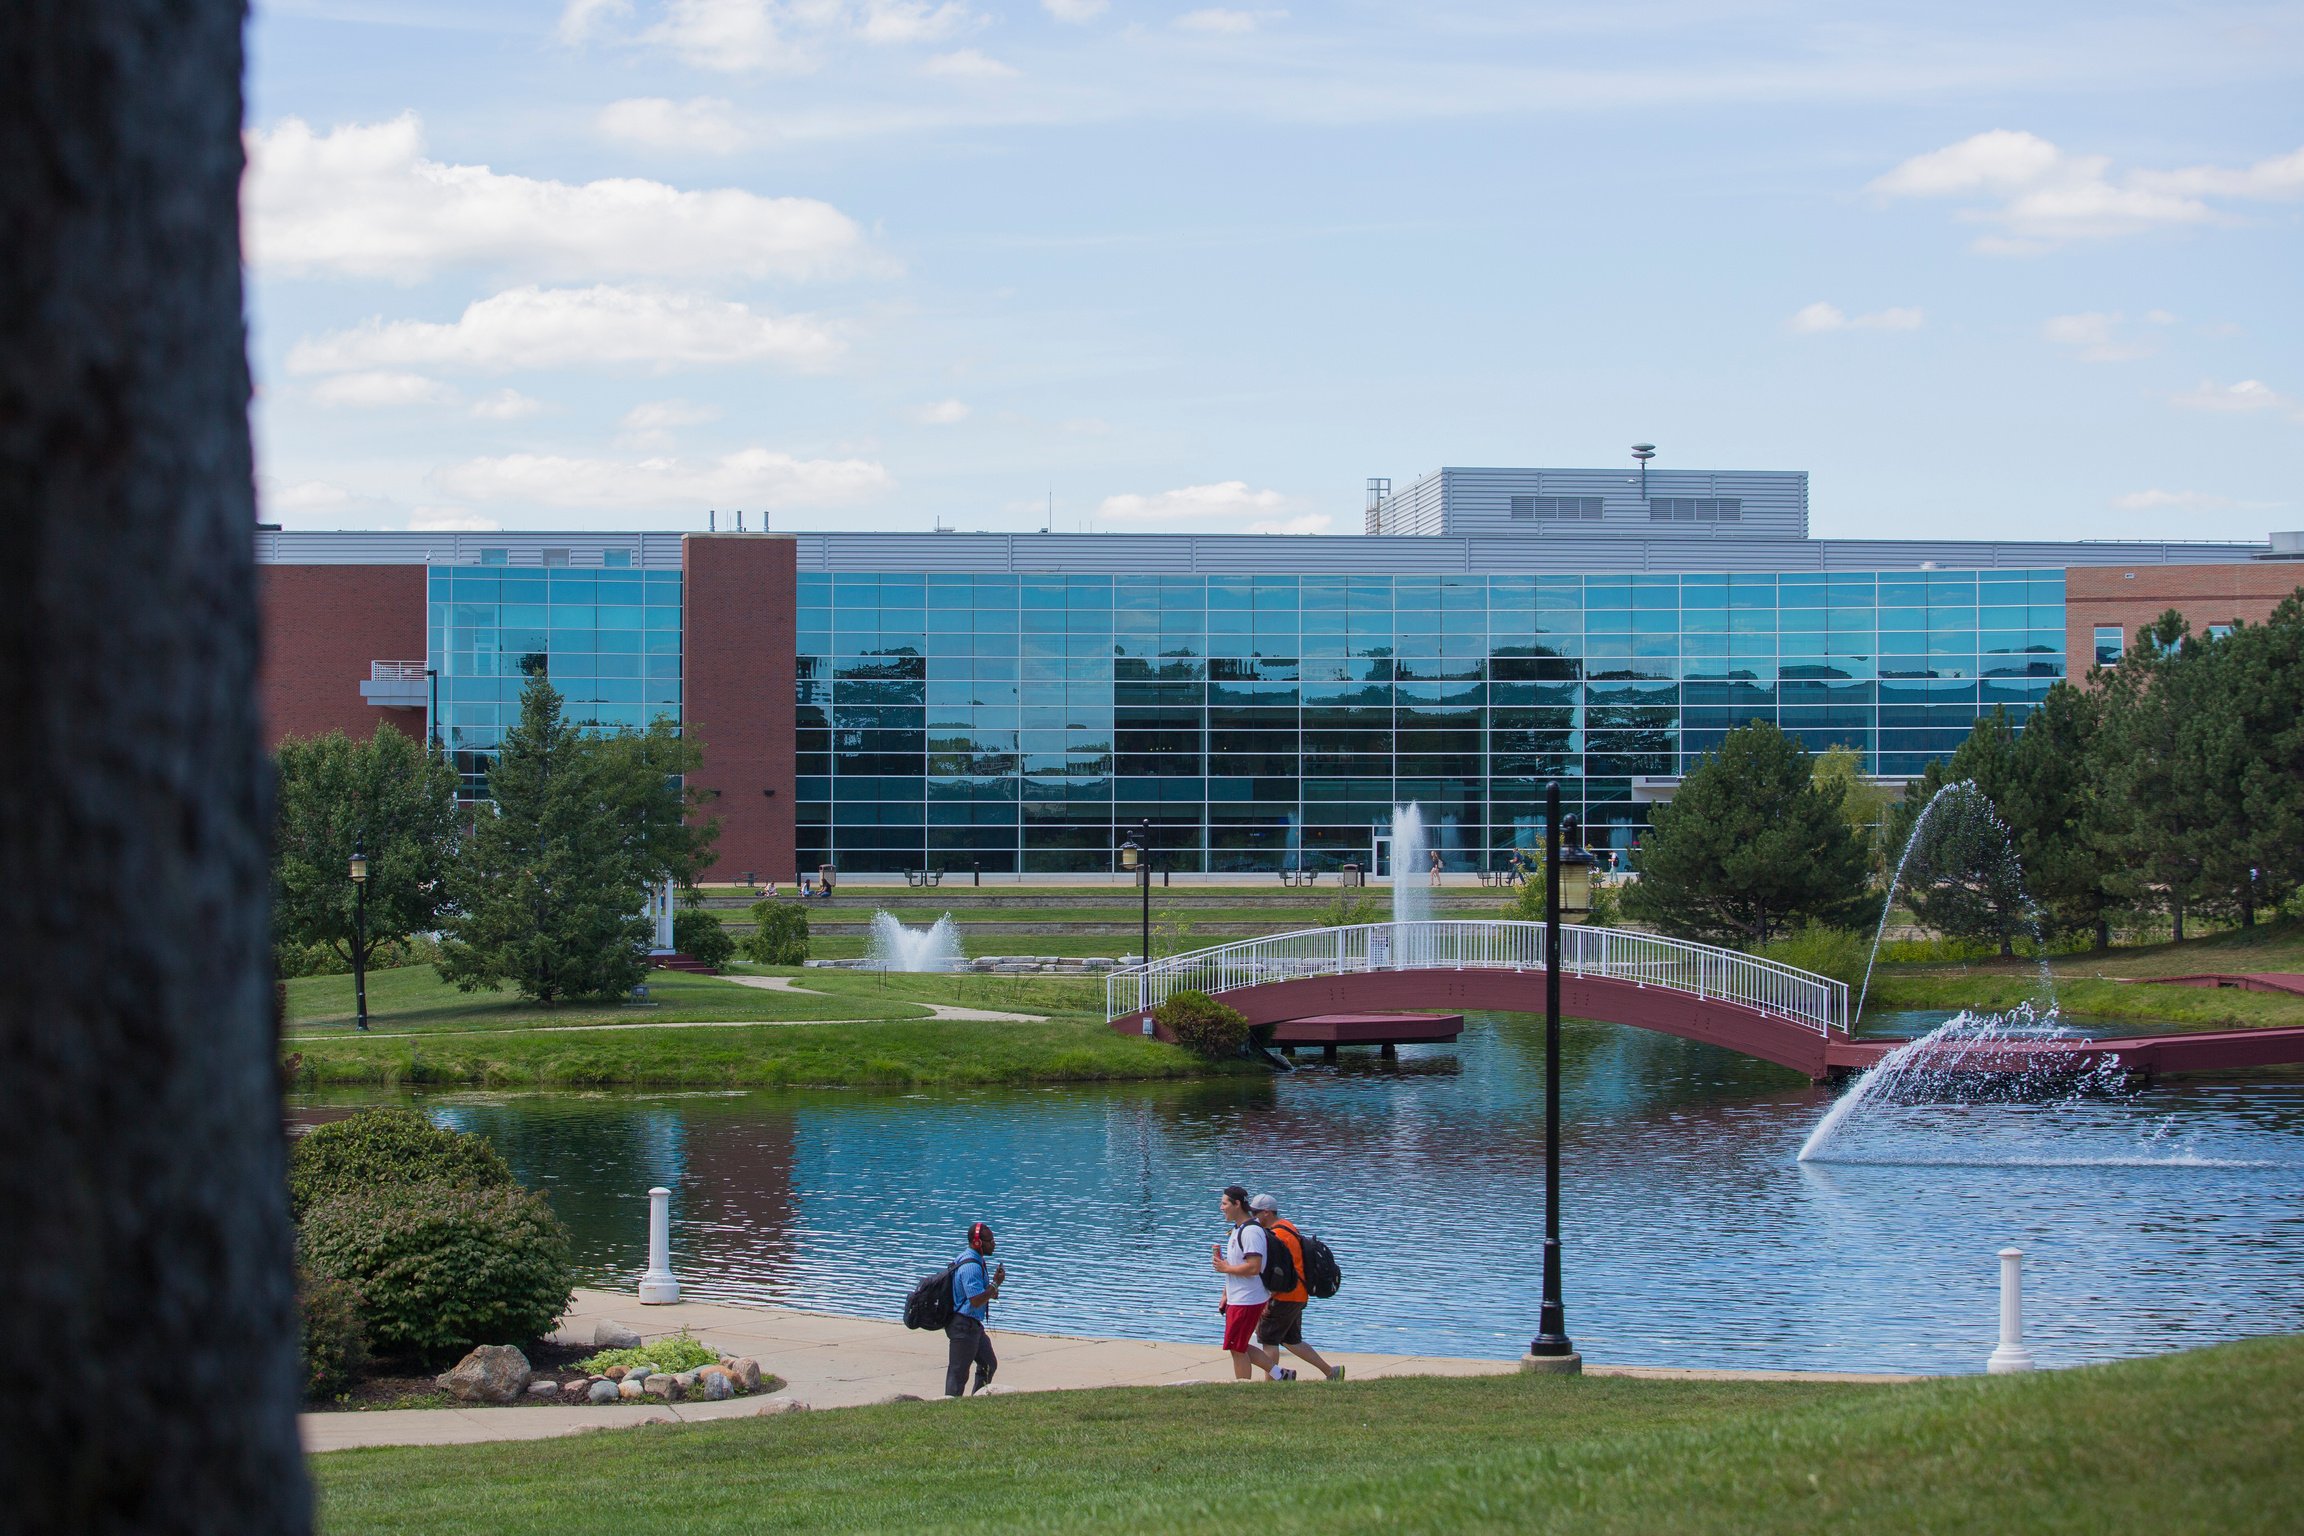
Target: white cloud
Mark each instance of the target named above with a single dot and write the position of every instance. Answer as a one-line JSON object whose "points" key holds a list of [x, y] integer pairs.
{"points": [[1230, 499], [967, 64], [506, 405], [304, 497], [1074, 10], [2093, 336], [2040, 196], [1822, 316], [2246, 397], [912, 21], [364, 200], [2180, 501], [728, 36], [382, 389], [703, 124], [752, 477], [449, 520], [580, 19], [656, 415], [1216, 20], [943, 413], [528, 328]]}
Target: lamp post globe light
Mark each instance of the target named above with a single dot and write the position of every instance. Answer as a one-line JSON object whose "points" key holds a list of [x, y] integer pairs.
{"points": [[1135, 857], [360, 931], [1550, 1351]]}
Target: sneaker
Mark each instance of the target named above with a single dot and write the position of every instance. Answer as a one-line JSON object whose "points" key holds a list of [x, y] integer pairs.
{"points": [[1284, 1374], [1336, 1373]]}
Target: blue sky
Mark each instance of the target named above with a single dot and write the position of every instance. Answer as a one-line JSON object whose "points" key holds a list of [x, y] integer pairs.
{"points": [[1984, 271]]}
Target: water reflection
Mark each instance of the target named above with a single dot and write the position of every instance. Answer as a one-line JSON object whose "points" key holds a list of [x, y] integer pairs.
{"points": [[1692, 1236]]}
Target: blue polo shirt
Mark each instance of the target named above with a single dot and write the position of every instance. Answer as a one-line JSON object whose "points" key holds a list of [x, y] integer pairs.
{"points": [[969, 1283]]}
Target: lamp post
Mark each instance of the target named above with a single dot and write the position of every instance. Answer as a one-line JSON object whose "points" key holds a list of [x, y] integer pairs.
{"points": [[1550, 1351], [1133, 858], [360, 931]]}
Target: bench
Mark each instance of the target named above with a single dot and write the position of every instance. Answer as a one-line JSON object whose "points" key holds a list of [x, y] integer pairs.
{"points": [[924, 879], [1299, 876]]}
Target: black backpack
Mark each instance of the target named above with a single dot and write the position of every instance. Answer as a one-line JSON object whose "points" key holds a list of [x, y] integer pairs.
{"points": [[930, 1304], [1322, 1277], [1279, 1272]]}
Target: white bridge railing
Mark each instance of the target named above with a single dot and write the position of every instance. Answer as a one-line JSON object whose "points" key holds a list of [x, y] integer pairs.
{"points": [[1644, 959]]}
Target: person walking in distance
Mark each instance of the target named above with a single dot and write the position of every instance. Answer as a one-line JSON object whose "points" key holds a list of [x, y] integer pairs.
{"points": [[975, 1286], [1240, 1260], [1434, 878], [1282, 1326]]}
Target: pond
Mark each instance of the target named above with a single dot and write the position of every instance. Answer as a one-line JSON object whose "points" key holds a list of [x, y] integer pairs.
{"points": [[2155, 1219]]}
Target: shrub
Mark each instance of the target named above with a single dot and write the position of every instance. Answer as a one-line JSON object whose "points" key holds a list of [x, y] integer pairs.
{"points": [[335, 1338], [1202, 1025], [1606, 909], [697, 934], [781, 937], [382, 1147], [1350, 912], [1835, 952], [441, 1268], [681, 1352]]}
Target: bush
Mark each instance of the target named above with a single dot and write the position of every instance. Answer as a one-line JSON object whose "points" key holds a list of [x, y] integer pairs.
{"points": [[335, 1338], [781, 937], [1202, 1025], [1607, 908], [1835, 952], [440, 1269], [697, 934], [681, 1352], [387, 1147]]}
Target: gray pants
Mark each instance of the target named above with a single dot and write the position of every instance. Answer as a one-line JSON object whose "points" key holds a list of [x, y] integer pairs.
{"points": [[971, 1345]]}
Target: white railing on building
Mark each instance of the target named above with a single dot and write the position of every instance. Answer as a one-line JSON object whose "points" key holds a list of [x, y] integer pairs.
{"points": [[396, 671], [1644, 959]]}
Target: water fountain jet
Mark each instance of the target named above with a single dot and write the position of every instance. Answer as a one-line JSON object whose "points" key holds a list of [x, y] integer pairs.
{"points": [[898, 948]]}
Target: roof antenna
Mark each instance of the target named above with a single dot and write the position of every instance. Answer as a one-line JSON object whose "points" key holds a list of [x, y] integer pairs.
{"points": [[739, 519], [1049, 525], [1643, 452], [711, 521]]}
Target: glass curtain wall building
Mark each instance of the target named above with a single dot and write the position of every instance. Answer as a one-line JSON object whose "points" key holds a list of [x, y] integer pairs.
{"points": [[609, 640], [1029, 722]]}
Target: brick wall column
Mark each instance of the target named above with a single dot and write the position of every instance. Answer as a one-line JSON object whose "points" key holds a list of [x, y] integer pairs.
{"points": [[737, 644]]}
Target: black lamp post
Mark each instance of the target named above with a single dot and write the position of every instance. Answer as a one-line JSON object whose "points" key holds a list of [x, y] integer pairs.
{"points": [[360, 930], [1134, 859], [1550, 1350]]}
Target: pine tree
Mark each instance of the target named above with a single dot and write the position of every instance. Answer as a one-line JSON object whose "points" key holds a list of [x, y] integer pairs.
{"points": [[2268, 690], [2053, 804], [2163, 817], [1961, 872], [1750, 846], [549, 891]]}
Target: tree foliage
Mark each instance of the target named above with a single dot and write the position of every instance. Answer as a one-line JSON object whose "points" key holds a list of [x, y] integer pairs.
{"points": [[548, 894], [388, 794], [1750, 845], [381, 1147], [697, 934], [1957, 861], [779, 935]]}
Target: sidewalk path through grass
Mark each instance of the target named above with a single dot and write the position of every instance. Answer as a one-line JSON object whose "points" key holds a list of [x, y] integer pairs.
{"points": [[935, 1010], [838, 1362]]}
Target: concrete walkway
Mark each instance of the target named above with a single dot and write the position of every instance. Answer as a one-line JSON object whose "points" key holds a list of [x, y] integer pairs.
{"points": [[835, 1362], [935, 1010]]}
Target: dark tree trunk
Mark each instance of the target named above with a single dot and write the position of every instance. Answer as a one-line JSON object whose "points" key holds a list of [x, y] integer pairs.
{"points": [[141, 1149], [2103, 933]]}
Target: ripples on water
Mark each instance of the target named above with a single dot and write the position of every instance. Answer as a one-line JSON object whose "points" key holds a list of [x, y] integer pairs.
{"points": [[2156, 1220]]}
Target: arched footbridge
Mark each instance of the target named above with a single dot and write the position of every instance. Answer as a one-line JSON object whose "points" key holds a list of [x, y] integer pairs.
{"points": [[1722, 997]]}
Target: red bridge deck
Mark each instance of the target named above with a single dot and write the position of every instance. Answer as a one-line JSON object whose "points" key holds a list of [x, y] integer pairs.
{"points": [[1369, 1029]]}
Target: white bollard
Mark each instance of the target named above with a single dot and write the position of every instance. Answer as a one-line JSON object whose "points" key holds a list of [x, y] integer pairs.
{"points": [[2011, 1356], [658, 1286]]}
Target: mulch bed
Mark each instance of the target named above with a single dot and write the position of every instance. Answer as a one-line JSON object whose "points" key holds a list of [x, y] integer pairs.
{"points": [[404, 1384]]}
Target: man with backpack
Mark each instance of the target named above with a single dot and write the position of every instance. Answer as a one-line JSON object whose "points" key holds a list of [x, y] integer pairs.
{"points": [[1241, 1259], [1282, 1326], [975, 1286]]}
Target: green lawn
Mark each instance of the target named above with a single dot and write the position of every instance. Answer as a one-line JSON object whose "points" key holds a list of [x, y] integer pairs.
{"points": [[2206, 1441], [2089, 984], [427, 1033]]}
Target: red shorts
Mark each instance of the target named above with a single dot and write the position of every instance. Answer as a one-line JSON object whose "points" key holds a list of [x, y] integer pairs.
{"points": [[1240, 1327]]}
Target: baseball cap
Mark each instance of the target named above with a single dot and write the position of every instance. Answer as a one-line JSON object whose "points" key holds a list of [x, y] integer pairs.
{"points": [[1263, 1203]]}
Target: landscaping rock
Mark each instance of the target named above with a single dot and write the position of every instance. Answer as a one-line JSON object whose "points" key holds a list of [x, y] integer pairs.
{"points": [[601, 1391], [576, 1392], [747, 1373], [493, 1373], [898, 1397], [610, 1334], [665, 1387], [686, 1380], [615, 1373], [777, 1405], [543, 1389], [628, 1388], [640, 1373], [715, 1384]]}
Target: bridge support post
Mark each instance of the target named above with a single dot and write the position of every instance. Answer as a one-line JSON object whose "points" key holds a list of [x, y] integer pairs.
{"points": [[2011, 1356]]}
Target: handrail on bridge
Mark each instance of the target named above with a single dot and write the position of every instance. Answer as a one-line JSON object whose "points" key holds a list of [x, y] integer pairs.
{"points": [[1644, 959]]}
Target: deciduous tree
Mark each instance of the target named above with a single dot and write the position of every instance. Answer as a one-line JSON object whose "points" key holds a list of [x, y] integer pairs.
{"points": [[388, 795]]}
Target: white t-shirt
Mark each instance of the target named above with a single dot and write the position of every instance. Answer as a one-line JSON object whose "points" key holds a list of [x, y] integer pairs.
{"points": [[1246, 1241]]}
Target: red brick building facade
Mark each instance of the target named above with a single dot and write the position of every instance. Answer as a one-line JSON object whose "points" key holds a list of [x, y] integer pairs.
{"points": [[2130, 597]]}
